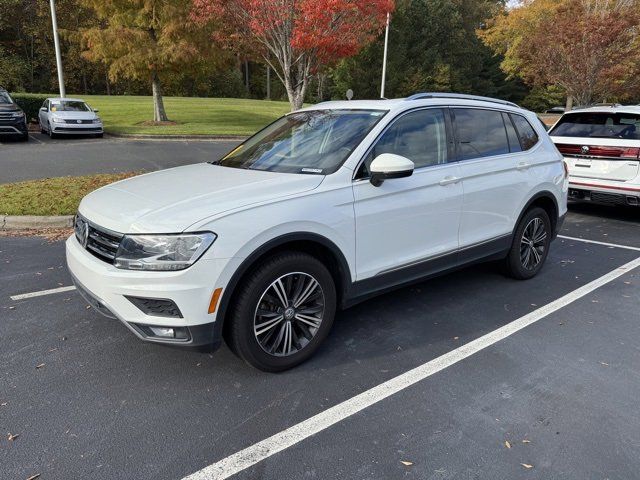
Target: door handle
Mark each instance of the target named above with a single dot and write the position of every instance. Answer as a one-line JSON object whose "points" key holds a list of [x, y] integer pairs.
{"points": [[523, 166], [448, 180]]}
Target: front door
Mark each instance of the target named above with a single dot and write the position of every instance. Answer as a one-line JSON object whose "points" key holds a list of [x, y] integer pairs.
{"points": [[407, 221]]}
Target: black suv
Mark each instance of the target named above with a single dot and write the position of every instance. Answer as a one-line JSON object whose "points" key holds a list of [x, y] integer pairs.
{"points": [[13, 121]]}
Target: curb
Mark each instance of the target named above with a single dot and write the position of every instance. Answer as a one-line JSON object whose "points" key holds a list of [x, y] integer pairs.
{"points": [[32, 222], [144, 136]]}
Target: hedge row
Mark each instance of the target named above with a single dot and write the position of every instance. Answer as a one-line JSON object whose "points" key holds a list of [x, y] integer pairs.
{"points": [[30, 103]]}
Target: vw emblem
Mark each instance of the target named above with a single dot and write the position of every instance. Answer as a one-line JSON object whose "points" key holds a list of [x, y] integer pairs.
{"points": [[82, 231], [79, 121], [584, 150]]}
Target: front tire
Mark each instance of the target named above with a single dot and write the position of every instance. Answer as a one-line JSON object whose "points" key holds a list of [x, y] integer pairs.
{"points": [[282, 312], [51, 134], [530, 246]]}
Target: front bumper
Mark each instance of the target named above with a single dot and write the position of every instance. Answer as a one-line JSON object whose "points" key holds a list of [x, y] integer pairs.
{"points": [[109, 290], [77, 129], [9, 127]]}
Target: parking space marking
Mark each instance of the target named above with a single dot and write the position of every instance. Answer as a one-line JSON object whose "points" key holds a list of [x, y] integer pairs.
{"points": [[33, 137], [615, 245], [257, 452], [41, 293]]}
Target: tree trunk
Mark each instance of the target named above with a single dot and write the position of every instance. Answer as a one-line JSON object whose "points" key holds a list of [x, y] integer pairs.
{"points": [[268, 82], [569, 105], [159, 114]]}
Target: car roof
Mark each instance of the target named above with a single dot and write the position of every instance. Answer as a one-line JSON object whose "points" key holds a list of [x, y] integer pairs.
{"points": [[607, 109], [419, 100], [65, 99]]}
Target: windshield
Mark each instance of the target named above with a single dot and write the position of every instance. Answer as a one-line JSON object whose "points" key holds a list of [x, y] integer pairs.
{"points": [[5, 99], [69, 106], [598, 125], [313, 142]]}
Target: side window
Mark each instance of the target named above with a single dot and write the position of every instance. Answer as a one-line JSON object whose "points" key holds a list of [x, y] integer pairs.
{"points": [[420, 136], [528, 136], [512, 135], [481, 133], [46, 105]]}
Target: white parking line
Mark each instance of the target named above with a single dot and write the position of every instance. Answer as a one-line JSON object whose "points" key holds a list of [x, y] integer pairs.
{"points": [[255, 453], [22, 296], [615, 245], [33, 137]]}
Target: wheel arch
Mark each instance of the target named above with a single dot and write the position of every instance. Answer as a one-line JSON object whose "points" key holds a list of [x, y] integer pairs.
{"points": [[312, 243], [548, 202]]}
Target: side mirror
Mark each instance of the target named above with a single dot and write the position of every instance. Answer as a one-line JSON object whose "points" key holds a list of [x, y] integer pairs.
{"points": [[389, 165], [96, 110], [43, 109]]}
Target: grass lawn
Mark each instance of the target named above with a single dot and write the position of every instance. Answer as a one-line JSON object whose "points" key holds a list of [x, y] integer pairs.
{"points": [[52, 196], [194, 116]]}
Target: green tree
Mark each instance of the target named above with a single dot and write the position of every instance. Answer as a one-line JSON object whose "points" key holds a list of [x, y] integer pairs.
{"points": [[433, 46], [146, 40]]}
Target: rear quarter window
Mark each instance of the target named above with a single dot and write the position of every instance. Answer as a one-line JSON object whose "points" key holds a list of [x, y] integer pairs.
{"points": [[527, 135]]}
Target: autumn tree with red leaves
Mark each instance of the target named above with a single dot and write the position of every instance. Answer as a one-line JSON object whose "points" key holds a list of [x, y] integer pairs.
{"points": [[296, 37]]}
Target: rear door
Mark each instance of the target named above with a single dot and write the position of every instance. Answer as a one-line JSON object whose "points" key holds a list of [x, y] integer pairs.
{"points": [[494, 177], [599, 145]]}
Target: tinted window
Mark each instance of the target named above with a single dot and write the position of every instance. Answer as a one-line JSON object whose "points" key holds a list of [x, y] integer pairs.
{"points": [[528, 136], [312, 142], [598, 125], [481, 133], [512, 135], [420, 136]]}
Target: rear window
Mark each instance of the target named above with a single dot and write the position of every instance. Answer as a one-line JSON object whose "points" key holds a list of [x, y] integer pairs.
{"points": [[598, 125]]}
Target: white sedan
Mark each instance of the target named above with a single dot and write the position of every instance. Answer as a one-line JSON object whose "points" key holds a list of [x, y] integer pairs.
{"points": [[69, 116]]}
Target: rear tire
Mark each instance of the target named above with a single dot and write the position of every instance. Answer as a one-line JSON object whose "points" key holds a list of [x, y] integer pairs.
{"points": [[530, 246], [282, 312]]}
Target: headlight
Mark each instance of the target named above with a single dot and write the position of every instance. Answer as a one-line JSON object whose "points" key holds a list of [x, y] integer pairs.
{"points": [[97, 120], [162, 252], [18, 115], [55, 119]]}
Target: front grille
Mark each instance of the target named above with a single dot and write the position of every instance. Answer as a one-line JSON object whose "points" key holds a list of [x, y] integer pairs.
{"points": [[76, 122], [6, 116], [100, 242]]}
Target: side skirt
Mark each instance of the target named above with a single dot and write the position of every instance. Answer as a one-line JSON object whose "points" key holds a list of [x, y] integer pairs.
{"points": [[383, 282]]}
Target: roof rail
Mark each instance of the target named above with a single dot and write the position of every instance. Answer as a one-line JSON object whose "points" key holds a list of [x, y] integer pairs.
{"points": [[462, 96]]}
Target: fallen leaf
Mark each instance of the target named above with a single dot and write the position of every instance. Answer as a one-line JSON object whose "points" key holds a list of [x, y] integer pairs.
{"points": [[40, 366], [456, 338], [33, 477], [88, 307], [11, 437], [405, 463], [507, 444], [12, 308], [526, 465], [605, 364], [3, 404], [526, 441]]}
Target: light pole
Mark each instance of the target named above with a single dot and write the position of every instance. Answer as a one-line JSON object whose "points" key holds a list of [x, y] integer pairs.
{"points": [[56, 42], [384, 58]]}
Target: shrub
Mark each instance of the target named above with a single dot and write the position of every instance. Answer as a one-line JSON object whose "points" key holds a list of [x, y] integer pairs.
{"points": [[30, 103]]}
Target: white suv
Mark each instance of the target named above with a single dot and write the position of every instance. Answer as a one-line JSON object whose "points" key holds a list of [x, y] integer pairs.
{"points": [[323, 208], [601, 145]]}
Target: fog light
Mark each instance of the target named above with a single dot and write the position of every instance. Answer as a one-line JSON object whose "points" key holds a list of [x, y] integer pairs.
{"points": [[163, 332]]}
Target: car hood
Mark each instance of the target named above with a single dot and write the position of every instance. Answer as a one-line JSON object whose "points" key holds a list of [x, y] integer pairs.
{"points": [[74, 115], [9, 107], [172, 200]]}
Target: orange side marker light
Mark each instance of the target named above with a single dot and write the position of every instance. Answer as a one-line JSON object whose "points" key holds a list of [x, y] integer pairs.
{"points": [[214, 300]]}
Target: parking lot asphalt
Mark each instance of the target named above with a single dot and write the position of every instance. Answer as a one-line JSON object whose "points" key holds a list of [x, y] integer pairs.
{"points": [[88, 400], [43, 157]]}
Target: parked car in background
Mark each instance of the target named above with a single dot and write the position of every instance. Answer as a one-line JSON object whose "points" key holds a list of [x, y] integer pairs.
{"points": [[323, 208], [69, 116], [601, 146], [555, 110], [13, 121]]}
